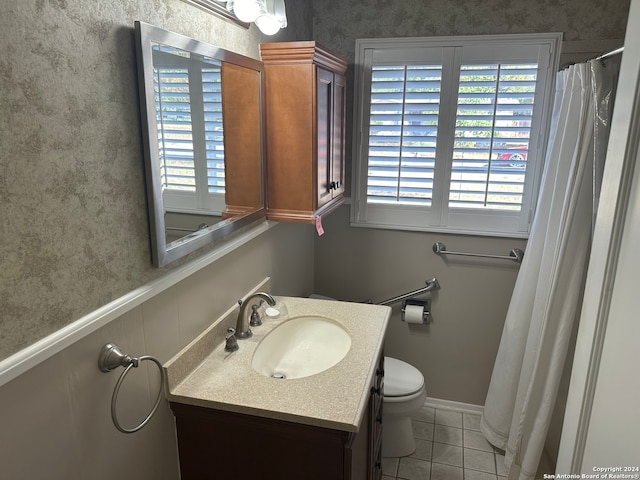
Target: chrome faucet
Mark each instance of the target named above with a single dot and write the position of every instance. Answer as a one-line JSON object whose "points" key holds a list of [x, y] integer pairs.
{"points": [[242, 324]]}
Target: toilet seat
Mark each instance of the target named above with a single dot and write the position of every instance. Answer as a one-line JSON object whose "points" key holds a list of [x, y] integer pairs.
{"points": [[401, 379]]}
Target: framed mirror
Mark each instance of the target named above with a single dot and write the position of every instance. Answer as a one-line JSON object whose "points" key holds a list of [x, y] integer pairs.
{"points": [[202, 126]]}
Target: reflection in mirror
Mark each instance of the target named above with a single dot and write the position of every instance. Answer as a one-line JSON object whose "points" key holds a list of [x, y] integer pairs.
{"points": [[202, 122]]}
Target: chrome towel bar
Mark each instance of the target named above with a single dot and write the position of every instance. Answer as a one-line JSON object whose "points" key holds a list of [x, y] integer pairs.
{"points": [[515, 254]]}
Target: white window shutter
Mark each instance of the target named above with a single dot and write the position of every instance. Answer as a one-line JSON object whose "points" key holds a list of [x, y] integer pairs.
{"points": [[454, 144]]}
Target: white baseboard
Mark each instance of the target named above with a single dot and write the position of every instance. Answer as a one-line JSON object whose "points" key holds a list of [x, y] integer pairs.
{"points": [[456, 406]]}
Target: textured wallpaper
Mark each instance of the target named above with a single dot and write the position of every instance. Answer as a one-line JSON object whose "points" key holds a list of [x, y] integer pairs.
{"points": [[74, 231], [337, 23]]}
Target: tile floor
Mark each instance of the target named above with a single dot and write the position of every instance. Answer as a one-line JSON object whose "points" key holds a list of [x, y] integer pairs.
{"points": [[449, 446]]}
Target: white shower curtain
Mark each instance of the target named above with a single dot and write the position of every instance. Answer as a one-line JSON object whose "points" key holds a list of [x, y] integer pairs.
{"points": [[548, 291]]}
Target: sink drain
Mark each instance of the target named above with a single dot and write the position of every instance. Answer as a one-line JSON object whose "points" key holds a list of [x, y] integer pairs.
{"points": [[278, 375]]}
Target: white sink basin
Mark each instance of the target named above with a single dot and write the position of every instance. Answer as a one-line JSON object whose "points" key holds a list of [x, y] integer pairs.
{"points": [[301, 347]]}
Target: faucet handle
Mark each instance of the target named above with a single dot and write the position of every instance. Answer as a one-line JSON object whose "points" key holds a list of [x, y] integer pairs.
{"points": [[231, 343], [255, 320]]}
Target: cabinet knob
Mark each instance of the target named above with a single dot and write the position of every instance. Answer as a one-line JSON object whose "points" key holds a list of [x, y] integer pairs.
{"points": [[375, 390], [380, 372]]}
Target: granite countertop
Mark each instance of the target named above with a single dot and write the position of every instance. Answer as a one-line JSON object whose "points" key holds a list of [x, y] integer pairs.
{"points": [[203, 374]]}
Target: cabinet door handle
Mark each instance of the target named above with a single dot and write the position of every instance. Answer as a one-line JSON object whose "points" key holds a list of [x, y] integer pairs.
{"points": [[375, 391], [334, 185]]}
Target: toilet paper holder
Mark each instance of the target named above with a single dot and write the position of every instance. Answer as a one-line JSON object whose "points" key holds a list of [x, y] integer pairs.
{"points": [[408, 314]]}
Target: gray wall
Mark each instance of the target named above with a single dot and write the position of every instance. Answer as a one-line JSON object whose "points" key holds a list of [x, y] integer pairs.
{"points": [[338, 23], [74, 233], [457, 352]]}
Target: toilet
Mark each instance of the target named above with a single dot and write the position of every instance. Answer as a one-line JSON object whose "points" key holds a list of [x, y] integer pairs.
{"points": [[404, 395]]}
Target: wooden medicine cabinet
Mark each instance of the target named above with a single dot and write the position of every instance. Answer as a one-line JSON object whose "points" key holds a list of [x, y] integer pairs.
{"points": [[305, 123]]}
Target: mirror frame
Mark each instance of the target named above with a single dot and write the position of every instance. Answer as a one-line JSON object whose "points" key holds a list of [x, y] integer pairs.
{"points": [[163, 253]]}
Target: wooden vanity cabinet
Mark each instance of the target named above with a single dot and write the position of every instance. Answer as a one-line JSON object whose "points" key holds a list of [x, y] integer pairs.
{"points": [[305, 109], [218, 444]]}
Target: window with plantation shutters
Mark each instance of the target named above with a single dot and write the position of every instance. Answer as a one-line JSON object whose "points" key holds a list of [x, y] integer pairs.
{"points": [[189, 113], [451, 132]]}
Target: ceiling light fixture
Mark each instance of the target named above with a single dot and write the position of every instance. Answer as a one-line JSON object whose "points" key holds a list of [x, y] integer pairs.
{"points": [[246, 10], [269, 15], [273, 19]]}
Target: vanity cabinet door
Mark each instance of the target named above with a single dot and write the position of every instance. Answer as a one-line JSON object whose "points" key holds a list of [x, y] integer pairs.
{"points": [[331, 136], [375, 421], [324, 88], [305, 109], [214, 444], [339, 133]]}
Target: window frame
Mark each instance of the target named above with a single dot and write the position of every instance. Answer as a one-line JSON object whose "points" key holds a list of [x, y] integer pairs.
{"points": [[451, 53]]}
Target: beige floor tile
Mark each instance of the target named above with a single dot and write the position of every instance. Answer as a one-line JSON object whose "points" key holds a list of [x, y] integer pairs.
{"points": [[478, 460], [446, 472], [426, 414], [422, 430], [423, 449], [473, 439], [447, 454], [475, 475], [448, 418], [449, 446], [471, 421], [448, 435], [414, 469]]}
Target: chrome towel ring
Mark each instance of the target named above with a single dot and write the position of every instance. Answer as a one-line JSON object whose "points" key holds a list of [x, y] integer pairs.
{"points": [[111, 357]]}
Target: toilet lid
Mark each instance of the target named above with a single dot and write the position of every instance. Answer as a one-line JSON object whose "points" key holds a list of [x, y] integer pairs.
{"points": [[400, 378]]}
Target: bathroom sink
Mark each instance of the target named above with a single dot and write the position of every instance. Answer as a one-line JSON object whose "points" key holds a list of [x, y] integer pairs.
{"points": [[301, 347]]}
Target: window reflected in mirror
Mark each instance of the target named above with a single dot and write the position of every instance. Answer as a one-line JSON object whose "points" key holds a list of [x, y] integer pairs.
{"points": [[188, 96]]}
